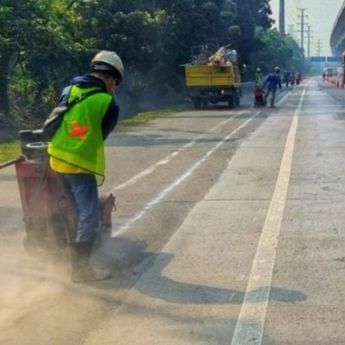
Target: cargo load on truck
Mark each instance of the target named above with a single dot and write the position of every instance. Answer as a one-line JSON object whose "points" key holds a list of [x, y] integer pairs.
{"points": [[214, 77]]}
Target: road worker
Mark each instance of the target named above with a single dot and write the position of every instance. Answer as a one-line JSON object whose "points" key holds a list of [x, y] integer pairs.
{"points": [[258, 77], [259, 89], [287, 78], [77, 153], [298, 78], [273, 81]]}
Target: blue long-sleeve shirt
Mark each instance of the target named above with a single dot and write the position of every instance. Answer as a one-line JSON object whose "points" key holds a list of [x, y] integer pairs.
{"points": [[273, 81]]}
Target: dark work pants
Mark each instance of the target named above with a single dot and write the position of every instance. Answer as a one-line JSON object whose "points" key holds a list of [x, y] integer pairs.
{"points": [[83, 192]]}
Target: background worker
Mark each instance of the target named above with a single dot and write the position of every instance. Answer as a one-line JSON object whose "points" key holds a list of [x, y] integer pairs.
{"points": [[77, 153], [259, 89], [287, 78], [272, 82], [258, 77], [298, 78]]}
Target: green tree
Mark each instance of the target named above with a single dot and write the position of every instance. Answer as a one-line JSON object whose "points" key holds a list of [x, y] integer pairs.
{"points": [[35, 47], [279, 50], [251, 14], [188, 23], [43, 43], [17, 21]]}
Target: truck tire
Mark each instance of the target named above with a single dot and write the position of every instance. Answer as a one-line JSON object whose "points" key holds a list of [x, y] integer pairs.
{"points": [[197, 104], [238, 100], [204, 104], [232, 102]]}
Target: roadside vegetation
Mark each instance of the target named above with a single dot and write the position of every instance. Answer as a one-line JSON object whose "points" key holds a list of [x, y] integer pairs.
{"points": [[43, 44], [145, 117], [9, 151]]}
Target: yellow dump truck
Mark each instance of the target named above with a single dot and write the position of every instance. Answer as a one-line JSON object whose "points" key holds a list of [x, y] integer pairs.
{"points": [[213, 84]]}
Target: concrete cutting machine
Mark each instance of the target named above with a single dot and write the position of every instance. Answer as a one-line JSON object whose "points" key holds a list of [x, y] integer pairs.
{"points": [[48, 215]]}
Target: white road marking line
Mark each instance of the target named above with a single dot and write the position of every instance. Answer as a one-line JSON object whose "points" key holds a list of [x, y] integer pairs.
{"points": [[163, 193], [284, 98], [250, 324], [168, 158], [180, 179]]}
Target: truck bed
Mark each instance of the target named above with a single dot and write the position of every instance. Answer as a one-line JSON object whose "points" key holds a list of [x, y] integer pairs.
{"points": [[205, 75]]}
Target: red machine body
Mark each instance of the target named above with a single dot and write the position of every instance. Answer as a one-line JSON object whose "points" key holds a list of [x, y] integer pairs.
{"points": [[259, 93], [48, 216]]}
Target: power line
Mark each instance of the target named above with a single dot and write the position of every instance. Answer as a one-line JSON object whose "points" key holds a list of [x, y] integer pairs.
{"points": [[309, 38], [318, 47], [302, 24]]}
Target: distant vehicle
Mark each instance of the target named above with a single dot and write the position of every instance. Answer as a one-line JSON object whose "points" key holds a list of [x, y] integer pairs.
{"points": [[292, 79], [214, 78], [287, 78], [298, 78], [329, 71]]}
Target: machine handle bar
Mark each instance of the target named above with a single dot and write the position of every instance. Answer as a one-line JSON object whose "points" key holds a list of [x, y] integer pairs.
{"points": [[13, 161]]}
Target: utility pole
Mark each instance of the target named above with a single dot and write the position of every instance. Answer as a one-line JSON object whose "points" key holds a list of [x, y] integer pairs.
{"points": [[309, 32], [318, 47], [302, 24], [282, 17]]}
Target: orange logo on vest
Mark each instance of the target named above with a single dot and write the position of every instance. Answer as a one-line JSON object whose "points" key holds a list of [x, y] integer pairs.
{"points": [[79, 131]]}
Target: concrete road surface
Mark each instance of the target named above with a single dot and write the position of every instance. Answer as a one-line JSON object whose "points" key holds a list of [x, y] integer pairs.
{"points": [[229, 231]]}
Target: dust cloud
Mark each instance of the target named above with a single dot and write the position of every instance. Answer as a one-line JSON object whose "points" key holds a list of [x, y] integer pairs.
{"points": [[38, 304]]}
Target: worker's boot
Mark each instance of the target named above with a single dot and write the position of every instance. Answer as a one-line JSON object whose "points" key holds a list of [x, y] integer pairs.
{"points": [[82, 271]]}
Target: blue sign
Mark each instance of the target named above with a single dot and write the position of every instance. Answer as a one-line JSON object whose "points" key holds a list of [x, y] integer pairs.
{"points": [[324, 59], [318, 59], [334, 59]]}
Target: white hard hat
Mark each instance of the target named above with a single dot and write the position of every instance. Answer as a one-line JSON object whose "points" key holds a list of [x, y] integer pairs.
{"points": [[108, 61]]}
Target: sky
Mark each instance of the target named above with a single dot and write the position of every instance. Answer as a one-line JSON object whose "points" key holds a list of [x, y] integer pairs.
{"points": [[321, 17]]}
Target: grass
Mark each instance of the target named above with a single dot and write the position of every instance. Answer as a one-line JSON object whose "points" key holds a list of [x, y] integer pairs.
{"points": [[143, 118], [9, 151], [12, 150]]}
